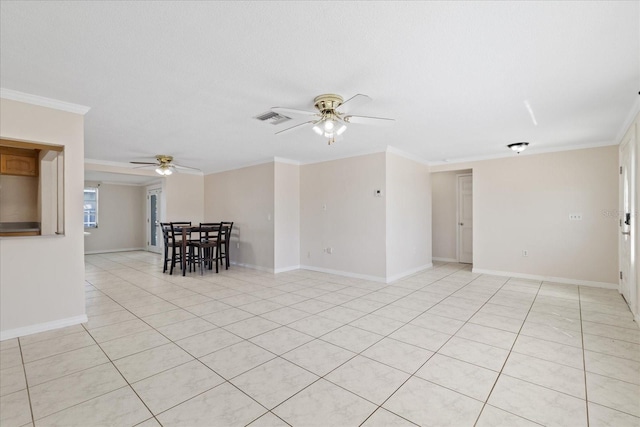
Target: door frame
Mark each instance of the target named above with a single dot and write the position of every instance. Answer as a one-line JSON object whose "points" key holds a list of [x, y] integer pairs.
{"points": [[159, 191], [630, 141], [458, 176]]}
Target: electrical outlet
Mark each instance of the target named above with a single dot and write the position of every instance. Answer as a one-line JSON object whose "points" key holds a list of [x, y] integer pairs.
{"points": [[575, 217], [309, 254], [377, 193], [525, 252], [329, 251], [324, 206], [237, 245]]}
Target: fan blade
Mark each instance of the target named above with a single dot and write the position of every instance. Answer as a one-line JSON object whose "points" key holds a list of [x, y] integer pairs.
{"points": [[145, 166], [293, 112], [298, 126], [368, 120], [177, 166], [353, 102], [144, 163]]}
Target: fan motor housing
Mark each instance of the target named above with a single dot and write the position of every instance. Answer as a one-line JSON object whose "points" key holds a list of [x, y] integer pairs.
{"points": [[327, 102]]}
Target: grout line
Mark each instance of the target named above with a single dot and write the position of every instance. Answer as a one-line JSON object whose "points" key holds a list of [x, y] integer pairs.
{"points": [[507, 358], [26, 382], [584, 361]]}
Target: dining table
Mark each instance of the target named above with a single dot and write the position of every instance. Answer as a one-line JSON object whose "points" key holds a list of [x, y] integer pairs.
{"points": [[187, 230]]}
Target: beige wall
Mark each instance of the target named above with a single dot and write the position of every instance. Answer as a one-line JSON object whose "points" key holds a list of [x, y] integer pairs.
{"points": [[53, 293], [286, 216], [444, 187], [184, 197], [408, 216], [19, 199], [246, 197], [524, 202], [121, 216], [353, 224]]}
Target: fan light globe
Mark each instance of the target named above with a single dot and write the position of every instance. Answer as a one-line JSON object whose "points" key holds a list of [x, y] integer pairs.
{"points": [[168, 172]]}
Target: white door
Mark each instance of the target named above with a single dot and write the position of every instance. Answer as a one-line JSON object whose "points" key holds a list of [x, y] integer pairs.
{"points": [[627, 222], [154, 232], [465, 219]]}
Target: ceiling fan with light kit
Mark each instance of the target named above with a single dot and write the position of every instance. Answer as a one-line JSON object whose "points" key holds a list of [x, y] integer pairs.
{"points": [[331, 118], [164, 165]]}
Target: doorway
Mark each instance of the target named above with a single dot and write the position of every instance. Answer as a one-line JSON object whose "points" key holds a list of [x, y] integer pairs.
{"points": [[628, 222], [154, 231], [465, 219]]}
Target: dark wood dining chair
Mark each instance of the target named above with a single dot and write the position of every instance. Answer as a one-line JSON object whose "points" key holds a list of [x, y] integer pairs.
{"points": [[225, 242], [205, 250], [172, 243]]}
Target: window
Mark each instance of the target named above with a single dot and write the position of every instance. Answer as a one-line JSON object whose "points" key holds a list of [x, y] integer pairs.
{"points": [[91, 207]]}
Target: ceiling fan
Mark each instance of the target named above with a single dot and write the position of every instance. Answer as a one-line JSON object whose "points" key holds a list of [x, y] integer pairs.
{"points": [[164, 165], [332, 115]]}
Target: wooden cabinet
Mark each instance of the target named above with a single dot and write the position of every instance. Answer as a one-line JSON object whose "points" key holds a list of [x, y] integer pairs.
{"points": [[18, 162]]}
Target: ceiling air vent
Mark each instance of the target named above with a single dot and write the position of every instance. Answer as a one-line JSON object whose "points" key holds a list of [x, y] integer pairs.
{"points": [[273, 118]]}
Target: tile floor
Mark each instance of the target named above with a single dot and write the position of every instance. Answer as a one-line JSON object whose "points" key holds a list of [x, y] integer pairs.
{"points": [[445, 347]]}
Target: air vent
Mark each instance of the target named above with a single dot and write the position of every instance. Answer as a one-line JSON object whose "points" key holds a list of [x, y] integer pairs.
{"points": [[273, 118]]}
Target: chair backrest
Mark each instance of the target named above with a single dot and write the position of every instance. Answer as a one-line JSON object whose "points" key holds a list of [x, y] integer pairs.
{"points": [[229, 226], [179, 225], [211, 231], [166, 232]]}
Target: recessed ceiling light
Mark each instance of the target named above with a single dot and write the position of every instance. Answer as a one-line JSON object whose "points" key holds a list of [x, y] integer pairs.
{"points": [[518, 147]]}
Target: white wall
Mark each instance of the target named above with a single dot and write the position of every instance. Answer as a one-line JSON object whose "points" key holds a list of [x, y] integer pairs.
{"points": [[121, 219], [33, 299], [353, 224], [246, 197], [408, 216], [444, 187], [286, 216], [524, 202]]}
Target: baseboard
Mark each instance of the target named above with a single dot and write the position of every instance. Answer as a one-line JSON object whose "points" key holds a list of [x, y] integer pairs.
{"points": [[266, 269], [108, 251], [42, 327], [344, 273], [409, 272], [590, 283], [435, 258], [285, 269], [253, 267]]}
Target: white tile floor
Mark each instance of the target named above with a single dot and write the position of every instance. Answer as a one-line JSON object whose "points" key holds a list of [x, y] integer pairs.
{"points": [[445, 347]]}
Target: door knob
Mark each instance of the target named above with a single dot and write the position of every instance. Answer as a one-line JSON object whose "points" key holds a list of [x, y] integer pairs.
{"points": [[626, 233], [462, 223]]}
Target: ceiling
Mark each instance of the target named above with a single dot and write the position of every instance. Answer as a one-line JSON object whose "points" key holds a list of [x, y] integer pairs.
{"points": [[462, 79]]}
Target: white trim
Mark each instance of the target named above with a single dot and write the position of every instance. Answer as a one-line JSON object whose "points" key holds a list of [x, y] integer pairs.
{"points": [[631, 116], [391, 279], [547, 278], [108, 251], [242, 166], [532, 151], [27, 98], [436, 258], [42, 327], [253, 267], [127, 184], [135, 168], [344, 273], [285, 269], [109, 163], [636, 317], [409, 156], [287, 161], [347, 156]]}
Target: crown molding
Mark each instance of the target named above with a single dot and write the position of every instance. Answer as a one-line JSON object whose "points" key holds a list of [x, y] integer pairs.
{"points": [[287, 161], [528, 152], [631, 116], [27, 98], [393, 150]]}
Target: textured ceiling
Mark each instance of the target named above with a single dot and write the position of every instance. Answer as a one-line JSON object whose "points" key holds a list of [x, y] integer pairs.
{"points": [[186, 78]]}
